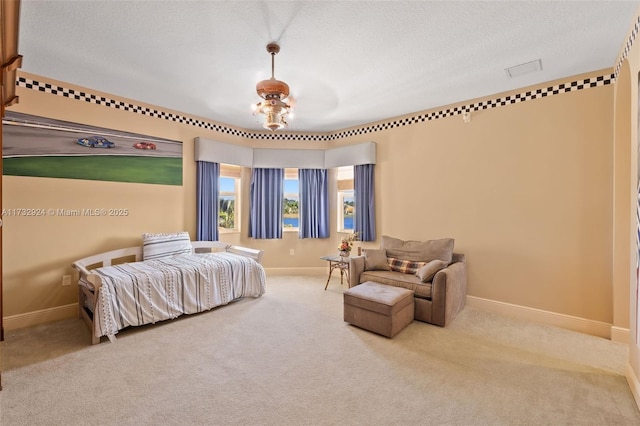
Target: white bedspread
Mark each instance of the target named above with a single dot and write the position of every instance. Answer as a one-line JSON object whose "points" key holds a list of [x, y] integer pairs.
{"points": [[145, 292]]}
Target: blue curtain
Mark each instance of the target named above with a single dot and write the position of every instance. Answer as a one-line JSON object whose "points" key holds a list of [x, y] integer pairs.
{"points": [[266, 203], [314, 203], [208, 175], [364, 190]]}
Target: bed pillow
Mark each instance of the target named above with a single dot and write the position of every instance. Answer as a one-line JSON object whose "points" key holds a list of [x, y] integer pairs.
{"points": [[428, 271], [157, 246], [376, 260], [419, 251]]}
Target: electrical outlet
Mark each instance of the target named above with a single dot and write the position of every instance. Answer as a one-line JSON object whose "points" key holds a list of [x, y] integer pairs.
{"points": [[66, 280], [292, 252]]}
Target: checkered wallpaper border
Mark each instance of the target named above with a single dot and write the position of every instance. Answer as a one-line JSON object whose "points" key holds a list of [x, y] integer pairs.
{"points": [[492, 103], [627, 47], [391, 124]]}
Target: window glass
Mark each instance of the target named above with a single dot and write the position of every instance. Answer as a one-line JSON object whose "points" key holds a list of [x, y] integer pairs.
{"points": [[345, 204], [229, 199], [291, 213]]}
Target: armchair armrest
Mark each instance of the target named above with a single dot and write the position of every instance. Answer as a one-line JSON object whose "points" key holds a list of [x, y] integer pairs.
{"points": [[356, 267], [448, 293]]}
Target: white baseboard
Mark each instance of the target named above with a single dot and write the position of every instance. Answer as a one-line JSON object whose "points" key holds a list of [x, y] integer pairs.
{"points": [[40, 317], [582, 325], [619, 334], [634, 384]]}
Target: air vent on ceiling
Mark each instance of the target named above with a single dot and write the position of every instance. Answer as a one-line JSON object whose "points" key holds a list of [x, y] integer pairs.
{"points": [[522, 69]]}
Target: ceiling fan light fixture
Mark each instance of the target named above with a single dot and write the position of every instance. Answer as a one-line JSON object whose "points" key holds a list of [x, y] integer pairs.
{"points": [[273, 93], [274, 122]]}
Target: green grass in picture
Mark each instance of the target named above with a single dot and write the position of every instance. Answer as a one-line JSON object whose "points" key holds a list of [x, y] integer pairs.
{"points": [[140, 169]]}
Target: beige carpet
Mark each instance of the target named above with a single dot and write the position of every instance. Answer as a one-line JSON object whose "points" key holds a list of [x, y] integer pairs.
{"points": [[288, 358]]}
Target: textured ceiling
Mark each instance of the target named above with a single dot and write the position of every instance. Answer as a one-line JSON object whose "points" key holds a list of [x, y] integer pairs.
{"points": [[347, 62]]}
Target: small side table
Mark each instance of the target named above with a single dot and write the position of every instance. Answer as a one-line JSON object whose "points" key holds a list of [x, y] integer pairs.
{"points": [[337, 262]]}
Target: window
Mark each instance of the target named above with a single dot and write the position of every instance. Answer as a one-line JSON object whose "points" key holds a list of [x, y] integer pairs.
{"points": [[346, 205], [229, 191], [291, 213]]}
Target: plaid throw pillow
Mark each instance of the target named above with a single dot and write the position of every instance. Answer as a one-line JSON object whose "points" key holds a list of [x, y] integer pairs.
{"points": [[404, 266]]}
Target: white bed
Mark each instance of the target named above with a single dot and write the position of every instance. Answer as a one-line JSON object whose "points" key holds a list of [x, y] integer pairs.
{"points": [[118, 289]]}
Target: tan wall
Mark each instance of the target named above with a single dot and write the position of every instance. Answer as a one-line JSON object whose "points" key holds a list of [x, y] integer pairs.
{"points": [[525, 189], [626, 137], [624, 204]]}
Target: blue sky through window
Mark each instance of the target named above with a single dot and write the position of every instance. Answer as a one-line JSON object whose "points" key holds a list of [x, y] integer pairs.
{"points": [[227, 184], [291, 186]]}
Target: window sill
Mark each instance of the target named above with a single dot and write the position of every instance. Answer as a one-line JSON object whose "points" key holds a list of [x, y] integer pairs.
{"points": [[228, 231]]}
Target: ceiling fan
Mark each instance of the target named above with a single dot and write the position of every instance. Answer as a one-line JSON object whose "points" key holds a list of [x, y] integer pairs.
{"points": [[276, 103]]}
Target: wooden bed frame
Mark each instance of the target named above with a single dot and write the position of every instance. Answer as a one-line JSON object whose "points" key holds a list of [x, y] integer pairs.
{"points": [[87, 299]]}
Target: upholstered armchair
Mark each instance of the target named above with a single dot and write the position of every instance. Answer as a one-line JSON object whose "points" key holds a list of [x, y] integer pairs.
{"points": [[436, 275]]}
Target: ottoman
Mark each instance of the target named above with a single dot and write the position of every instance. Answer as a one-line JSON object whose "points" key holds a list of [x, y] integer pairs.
{"points": [[379, 308]]}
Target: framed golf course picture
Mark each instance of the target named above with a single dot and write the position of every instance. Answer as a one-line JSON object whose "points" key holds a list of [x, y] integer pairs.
{"points": [[42, 147]]}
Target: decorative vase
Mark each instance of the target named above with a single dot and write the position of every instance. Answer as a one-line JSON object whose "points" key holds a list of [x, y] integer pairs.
{"points": [[345, 253]]}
